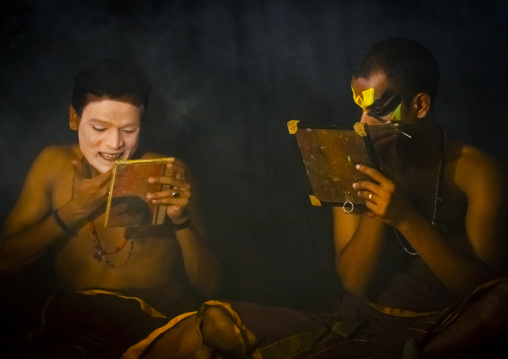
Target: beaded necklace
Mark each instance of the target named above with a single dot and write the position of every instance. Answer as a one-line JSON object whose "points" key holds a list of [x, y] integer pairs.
{"points": [[437, 193], [101, 253]]}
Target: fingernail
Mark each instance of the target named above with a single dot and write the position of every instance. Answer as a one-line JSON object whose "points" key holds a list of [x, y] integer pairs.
{"points": [[357, 167], [149, 196], [355, 185], [151, 179]]}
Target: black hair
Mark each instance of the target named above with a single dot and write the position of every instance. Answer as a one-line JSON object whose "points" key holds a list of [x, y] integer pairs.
{"points": [[410, 67], [112, 77]]}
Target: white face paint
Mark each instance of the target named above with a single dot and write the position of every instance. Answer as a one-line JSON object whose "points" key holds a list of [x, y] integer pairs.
{"points": [[108, 131]]}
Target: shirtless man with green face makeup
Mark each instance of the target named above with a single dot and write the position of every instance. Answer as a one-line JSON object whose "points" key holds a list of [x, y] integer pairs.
{"points": [[432, 233]]}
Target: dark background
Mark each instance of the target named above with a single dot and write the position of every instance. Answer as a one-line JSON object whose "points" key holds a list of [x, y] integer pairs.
{"points": [[227, 76]]}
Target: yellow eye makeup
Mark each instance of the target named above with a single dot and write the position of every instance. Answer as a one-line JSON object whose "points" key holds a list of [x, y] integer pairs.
{"points": [[388, 103], [366, 100]]}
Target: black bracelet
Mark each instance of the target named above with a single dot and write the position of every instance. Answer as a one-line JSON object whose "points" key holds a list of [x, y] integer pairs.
{"points": [[61, 223], [185, 224]]}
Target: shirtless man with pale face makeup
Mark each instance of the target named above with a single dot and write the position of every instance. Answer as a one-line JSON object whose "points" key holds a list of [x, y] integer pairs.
{"points": [[61, 208]]}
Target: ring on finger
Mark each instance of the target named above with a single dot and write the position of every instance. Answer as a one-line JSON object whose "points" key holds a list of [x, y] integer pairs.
{"points": [[370, 196], [176, 194]]}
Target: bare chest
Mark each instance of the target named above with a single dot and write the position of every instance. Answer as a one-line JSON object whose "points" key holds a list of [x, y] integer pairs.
{"points": [[117, 258], [437, 197]]}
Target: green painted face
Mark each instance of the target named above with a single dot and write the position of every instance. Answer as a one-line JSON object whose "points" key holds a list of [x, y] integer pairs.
{"points": [[389, 103]]}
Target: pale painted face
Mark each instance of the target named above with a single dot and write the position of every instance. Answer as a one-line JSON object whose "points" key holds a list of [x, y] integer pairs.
{"points": [[108, 131]]}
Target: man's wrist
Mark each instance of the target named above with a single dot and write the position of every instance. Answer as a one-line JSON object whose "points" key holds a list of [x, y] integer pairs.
{"points": [[61, 223], [179, 225]]}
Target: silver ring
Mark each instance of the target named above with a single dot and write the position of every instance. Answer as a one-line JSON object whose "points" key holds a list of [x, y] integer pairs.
{"points": [[346, 205], [176, 194], [370, 196]]}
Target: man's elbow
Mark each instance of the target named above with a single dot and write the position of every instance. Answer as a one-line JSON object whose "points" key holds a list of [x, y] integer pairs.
{"points": [[8, 268], [209, 284], [354, 287]]}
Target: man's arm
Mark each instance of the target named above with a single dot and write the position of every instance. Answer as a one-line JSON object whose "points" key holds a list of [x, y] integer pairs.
{"points": [[30, 229], [359, 240], [481, 181], [201, 265]]}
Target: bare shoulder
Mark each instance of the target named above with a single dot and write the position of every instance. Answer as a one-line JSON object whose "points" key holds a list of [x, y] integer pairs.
{"points": [[59, 153], [54, 156], [54, 159], [475, 169], [51, 168]]}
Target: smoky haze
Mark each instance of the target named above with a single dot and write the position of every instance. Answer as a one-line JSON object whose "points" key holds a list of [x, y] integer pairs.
{"points": [[227, 76]]}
